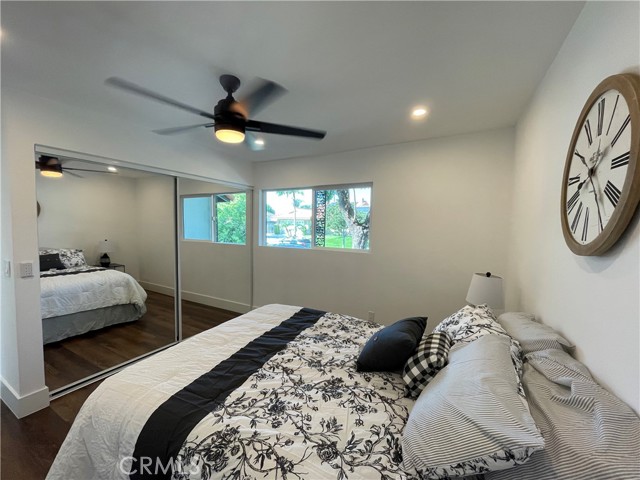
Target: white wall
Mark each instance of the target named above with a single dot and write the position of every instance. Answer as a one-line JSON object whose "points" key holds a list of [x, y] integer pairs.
{"points": [[440, 211], [27, 121], [80, 212], [212, 273], [155, 219], [594, 301]]}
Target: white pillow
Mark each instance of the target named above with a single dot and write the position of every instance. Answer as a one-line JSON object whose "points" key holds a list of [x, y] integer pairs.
{"points": [[470, 419]]}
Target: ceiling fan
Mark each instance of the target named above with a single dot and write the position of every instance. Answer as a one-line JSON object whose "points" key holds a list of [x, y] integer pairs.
{"points": [[230, 117], [50, 166]]}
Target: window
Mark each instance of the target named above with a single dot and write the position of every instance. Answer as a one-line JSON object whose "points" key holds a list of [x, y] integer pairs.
{"points": [[336, 217], [217, 218]]}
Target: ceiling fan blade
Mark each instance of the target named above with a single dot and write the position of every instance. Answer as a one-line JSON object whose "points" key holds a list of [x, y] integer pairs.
{"points": [[174, 130], [144, 92], [255, 126], [252, 141], [263, 93]]}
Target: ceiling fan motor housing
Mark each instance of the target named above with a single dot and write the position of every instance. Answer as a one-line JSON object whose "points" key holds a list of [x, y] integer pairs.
{"points": [[227, 118]]}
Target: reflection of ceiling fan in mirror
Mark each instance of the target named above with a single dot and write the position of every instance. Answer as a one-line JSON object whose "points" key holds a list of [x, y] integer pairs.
{"points": [[230, 117], [50, 166]]}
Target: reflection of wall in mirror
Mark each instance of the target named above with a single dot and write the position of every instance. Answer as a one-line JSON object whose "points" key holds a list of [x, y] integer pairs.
{"points": [[82, 211], [155, 216], [214, 274]]}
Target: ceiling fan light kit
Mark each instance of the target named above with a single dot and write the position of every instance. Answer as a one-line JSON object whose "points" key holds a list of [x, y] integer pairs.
{"points": [[51, 173], [229, 130], [51, 167], [229, 134]]}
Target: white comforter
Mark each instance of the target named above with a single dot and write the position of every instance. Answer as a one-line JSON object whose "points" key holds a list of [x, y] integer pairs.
{"points": [[65, 294]]}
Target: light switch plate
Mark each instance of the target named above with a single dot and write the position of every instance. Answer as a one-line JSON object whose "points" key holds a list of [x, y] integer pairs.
{"points": [[26, 269]]}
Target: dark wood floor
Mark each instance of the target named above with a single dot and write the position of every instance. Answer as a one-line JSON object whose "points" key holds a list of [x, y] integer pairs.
{"points": [[78, 357], [29, 445]]}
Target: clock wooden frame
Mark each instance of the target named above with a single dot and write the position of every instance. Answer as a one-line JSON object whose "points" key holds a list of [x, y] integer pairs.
{"points": [[629, 87]]}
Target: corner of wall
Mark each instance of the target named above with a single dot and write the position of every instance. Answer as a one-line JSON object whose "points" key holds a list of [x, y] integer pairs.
{"points": [[25, 405]]}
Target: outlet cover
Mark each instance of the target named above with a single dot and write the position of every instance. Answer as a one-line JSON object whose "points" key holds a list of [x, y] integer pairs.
{"points": [[26, 269]]}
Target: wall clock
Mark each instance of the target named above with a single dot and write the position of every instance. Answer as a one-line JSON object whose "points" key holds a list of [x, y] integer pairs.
{"points": [[601, 181]]}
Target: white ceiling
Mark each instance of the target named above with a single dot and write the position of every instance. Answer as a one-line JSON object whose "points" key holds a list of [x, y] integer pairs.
{"points": [[354, 69]]}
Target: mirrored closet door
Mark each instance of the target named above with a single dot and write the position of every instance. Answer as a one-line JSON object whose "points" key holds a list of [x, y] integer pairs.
{"points": [[108, 266], [215, 253]]}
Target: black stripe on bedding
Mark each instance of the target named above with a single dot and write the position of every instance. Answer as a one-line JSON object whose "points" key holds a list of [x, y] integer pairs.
{"points": [[59, 273], [169, 425]]}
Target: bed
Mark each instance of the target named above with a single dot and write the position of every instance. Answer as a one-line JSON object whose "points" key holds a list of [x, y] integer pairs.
{"points": [[76, 298], [285, 392]]}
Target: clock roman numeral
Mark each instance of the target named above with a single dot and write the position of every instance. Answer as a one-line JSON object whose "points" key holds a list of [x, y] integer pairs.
{"points": [[600, 115], [612, 193], [620, 160], [613, 113], [624, 125], [573, 180], [585, 226], [572, 201], [576, 218], [587, 129]]}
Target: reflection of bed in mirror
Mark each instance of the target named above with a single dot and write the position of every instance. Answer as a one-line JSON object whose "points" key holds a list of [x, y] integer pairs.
{"points": [[76, 298]]}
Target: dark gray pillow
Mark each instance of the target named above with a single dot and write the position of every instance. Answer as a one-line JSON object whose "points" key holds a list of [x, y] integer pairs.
{"points": [[390, 348], [51, 261]]}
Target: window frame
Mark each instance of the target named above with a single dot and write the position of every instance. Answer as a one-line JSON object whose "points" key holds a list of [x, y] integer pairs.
{"points": [[214, 217], [341, 186]]}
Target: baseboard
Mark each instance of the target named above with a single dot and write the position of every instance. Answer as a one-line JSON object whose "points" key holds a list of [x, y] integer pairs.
{"points": [[199, 298], [155, 287], [216, 302], [26, 405]]}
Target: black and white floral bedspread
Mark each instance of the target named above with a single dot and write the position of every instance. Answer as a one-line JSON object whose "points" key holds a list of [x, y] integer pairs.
{"points": [[305, 414]]}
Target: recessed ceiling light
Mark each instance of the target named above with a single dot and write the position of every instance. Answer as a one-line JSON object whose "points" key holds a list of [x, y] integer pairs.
{"points": [[112, 169], [419, 112], [259, 141]]}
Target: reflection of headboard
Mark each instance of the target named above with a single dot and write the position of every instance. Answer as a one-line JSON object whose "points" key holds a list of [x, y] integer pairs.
{"points": [[69, 257]]}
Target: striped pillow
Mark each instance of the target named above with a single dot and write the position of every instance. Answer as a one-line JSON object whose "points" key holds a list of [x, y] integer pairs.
{"points": [[532, 336], [589, 432], [470, 419], [423, 365]]}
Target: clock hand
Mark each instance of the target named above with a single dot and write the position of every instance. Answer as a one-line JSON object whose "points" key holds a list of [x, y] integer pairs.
{"points": [[583, 161], [581, 184], [600, 155], [597, 204]]}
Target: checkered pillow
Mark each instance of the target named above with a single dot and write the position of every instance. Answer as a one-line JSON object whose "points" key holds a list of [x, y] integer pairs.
{"points": [[422, 366]]}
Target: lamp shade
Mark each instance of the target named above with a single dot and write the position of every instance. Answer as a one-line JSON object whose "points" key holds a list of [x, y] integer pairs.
{"points": [[486, 288], [105, 246]]}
